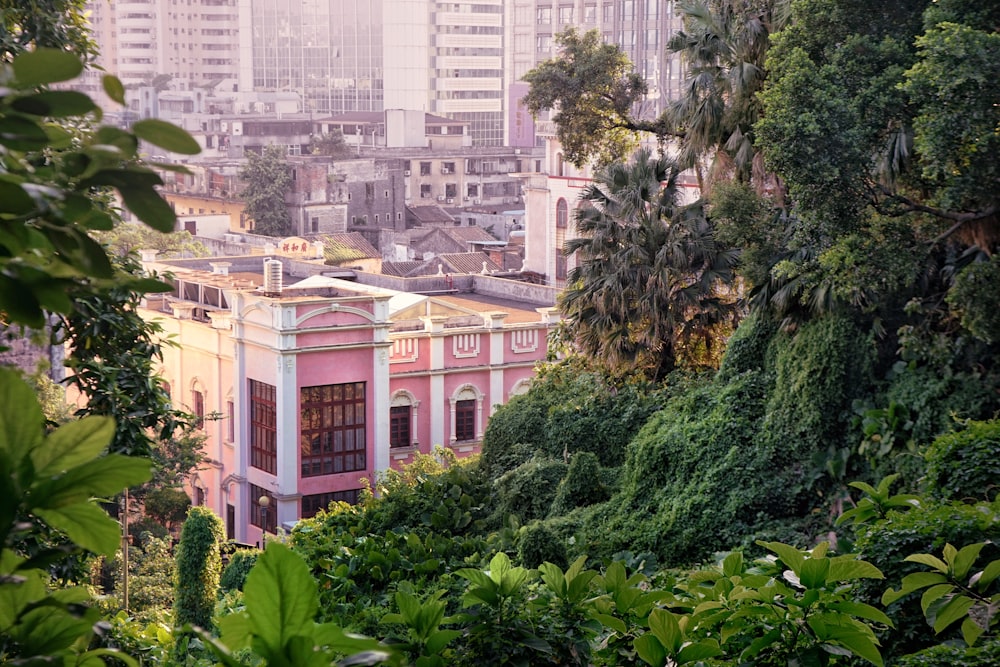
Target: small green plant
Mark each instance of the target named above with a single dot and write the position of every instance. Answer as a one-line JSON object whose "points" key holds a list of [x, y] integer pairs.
{"points": [[235, 573], [278, 621], [427, 640], [877, 502], [955, 591], [498, 631], [48, 511]]}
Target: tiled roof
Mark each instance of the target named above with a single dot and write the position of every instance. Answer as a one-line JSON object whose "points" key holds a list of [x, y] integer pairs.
{"points": [[467, 262], [401, 269], [428, 214], [348, 246], [469, 234]]}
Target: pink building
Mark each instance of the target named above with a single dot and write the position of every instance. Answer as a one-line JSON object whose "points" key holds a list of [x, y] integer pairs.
{"points": [[323, 382]]}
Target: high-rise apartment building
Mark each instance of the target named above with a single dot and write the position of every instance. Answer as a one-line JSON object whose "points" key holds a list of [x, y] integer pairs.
{"points": [[444, 58], [193, 42], [641, 28]]}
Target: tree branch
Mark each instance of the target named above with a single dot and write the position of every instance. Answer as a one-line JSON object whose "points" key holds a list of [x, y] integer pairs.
{"points": [[959, 218]]}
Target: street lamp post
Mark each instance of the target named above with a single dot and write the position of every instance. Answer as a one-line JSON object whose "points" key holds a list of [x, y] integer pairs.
{"points": [[264, 502]]}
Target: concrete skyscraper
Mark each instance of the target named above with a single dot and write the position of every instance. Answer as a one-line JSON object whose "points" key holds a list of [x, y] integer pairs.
{"points": [[444, 58], [641, 28]]}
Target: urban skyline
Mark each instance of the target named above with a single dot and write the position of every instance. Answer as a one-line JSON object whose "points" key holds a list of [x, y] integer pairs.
{"points": [[461, 60]]}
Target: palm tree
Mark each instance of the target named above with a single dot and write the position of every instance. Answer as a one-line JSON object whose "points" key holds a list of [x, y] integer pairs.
{"points": [[724, 44], [651, 286]]}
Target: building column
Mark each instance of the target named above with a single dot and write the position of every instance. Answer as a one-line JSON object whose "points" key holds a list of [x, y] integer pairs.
{"points": [[435, 326], [381, 403], [494, 321], [287, 405]]}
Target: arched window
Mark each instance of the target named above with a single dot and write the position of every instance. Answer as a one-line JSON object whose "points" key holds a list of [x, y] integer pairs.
{"points": [[403, 420], [562, 214], [466, 414]]}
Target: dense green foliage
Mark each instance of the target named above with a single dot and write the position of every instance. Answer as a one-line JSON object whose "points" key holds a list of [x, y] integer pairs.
{"points": [[965, 465], [267, 178], [199, 564], [651, 287], [583, 485], [569, 408], [234, 575]]}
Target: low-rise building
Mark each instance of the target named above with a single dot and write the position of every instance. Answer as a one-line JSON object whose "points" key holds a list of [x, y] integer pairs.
{"points": [[318, 382]]}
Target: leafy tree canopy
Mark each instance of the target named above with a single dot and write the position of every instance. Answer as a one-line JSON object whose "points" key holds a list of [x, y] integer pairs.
{"points": [[267, 179], [594, 92], [332, 145], [126, 238], [649, 289]]}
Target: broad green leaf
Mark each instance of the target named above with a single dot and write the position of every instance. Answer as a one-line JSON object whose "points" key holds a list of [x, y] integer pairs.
{"points": [[21, 418], [762, 642], [971, 631], [333, 637], [867, 488], [437, 641], [861, 610], [113, 88], [22, 134], [13, 198], [98, 653], [956, 608], [475, 577], [732, 564], [858, 643], [500, 565], [665, 628], [929, 560], [814, 572], [934, 593], [789, 555], [650, 650], [280, 596], [55, 104], [819, 551], [965, 558], [49, 629], [20, 304], [166, 135], [46, 66], [848, 568], [87, 525], [913, 582], [101, 477], [702, 650], [15, 598], [120, 139], [148, 206], [221, 651], [73, 444], [612, 622], [987, 576], [236, 630]]}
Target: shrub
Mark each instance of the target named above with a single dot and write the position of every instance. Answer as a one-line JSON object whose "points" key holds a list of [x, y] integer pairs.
{"points": [[235, 574], [747, 349], [925, 529], [934, 399], [692, 475], [167, 505], [983, 654], [966, 464], [538, 544], [527, 491], [581, 486], [568, 409], [197, 570]]}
